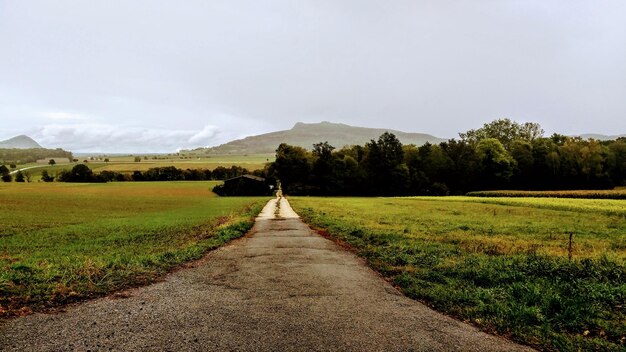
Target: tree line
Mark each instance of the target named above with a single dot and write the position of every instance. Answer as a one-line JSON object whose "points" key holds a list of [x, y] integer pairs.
{"points": [[503, 154], [23, 156], [82, 173]]}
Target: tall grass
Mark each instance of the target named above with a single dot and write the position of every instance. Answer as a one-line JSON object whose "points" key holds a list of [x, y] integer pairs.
{"points": [[589, 194], [504, 268], [65, 242]]}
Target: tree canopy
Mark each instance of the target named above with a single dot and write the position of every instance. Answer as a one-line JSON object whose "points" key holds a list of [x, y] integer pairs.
{"points": [[501, 154]]}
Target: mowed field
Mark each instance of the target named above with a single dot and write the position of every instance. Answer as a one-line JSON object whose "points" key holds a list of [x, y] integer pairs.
{"points": [[63, 242], [125, 164], [500, 263]]}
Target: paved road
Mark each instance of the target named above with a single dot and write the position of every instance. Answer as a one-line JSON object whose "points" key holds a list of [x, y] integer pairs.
{"points": [[281, 288], [26, 168]]}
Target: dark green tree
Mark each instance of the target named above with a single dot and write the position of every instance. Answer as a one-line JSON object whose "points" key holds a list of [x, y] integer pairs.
{"points": [[387, 175], [496, 164], [292, 168], [19, 177], [45, 176]]}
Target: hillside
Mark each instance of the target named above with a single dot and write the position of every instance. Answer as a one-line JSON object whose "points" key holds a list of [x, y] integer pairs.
{"points": [[19, 142], [306, 134], [601, 137]]}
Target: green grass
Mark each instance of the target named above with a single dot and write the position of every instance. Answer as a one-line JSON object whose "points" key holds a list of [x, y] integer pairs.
{"points": [[66, 242], [610, 207], [617, 193], [502, 266], [126, 164]]}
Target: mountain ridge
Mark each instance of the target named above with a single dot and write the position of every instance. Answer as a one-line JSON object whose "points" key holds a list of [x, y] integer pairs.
{"points": [[306, 134], [20, 142]]}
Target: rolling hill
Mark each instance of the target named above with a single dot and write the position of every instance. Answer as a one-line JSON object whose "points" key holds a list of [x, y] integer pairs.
{"points": [[19, 142], [306, 134], [601, 137]]}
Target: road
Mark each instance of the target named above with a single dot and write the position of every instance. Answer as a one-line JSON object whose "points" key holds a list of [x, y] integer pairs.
{"points": [[281, 288], [27, 168]]}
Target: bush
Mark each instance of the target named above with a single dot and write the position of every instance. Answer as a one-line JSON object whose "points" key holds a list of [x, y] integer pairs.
{"points": [[7, 178], [19, 177], [79, 173], [45, 177]]}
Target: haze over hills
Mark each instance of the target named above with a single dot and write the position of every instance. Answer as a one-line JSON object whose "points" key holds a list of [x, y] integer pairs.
{"points": [[306, 134], [20, 142], [601, 137]]}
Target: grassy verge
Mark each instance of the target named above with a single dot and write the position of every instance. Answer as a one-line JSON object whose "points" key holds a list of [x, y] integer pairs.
{"points": [[503, 268], [62, 243]]}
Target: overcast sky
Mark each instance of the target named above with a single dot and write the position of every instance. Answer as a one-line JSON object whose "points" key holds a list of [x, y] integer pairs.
{"points": [[141, 76]]}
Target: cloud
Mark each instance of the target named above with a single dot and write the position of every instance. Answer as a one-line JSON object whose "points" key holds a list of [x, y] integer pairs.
{"points": [[88, 137], [61, 115]]}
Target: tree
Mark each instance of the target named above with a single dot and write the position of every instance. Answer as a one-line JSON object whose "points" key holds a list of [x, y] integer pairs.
{"points": [[6, 178], [19, 177], [522, 153], [45, 176], [292, 167], [13, 166], [383, 161], [3, 170], [51, 162], [505, 131], [322, 173], [137, 159], [79, 173], [497, 164], [106, 160]]}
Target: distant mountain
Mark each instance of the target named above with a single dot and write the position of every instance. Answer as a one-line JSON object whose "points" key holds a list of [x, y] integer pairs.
{"points": [[306, 134], [601, 137], [19, 142]]}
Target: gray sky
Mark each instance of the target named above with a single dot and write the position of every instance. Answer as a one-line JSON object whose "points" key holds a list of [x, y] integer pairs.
{"points": [[140, 76]]}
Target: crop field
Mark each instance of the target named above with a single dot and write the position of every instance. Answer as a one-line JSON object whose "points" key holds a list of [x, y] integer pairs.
{"points": [[619, 193], [501, 263], [126, 164], [63, 242]]}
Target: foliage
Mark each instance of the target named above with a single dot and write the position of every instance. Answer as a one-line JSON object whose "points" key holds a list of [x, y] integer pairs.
{"points": [[502, 267], [23, 156], [501, 155], [19, 177], [79, 173], [505, 131], [46, 177], [125, 234]]}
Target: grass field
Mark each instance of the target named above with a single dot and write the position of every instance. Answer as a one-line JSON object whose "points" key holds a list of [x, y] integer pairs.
{"points": [[500, 263], [125, 164], [618, 193], [64, 242]]}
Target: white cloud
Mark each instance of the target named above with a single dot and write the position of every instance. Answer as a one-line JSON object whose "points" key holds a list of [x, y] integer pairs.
{"points": [[61, 115], [89, 137]]}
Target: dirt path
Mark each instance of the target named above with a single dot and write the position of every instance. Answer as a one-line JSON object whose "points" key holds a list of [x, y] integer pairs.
{"points": [[281, 288]]}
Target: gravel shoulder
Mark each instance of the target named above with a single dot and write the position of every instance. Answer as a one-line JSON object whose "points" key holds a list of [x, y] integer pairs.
{"points": [[282, 287]]}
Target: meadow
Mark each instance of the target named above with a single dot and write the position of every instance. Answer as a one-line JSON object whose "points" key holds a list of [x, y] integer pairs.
{"points": [[126, 163], [618, 193], [500, 263], [64, 242]]}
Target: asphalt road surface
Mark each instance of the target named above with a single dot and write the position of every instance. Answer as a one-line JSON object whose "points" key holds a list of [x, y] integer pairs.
{"points": [[281, 288]]}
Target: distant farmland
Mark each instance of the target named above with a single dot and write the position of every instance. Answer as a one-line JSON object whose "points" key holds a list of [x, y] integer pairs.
{"points": [[501, 263], [64, 242], [126, 164]]}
